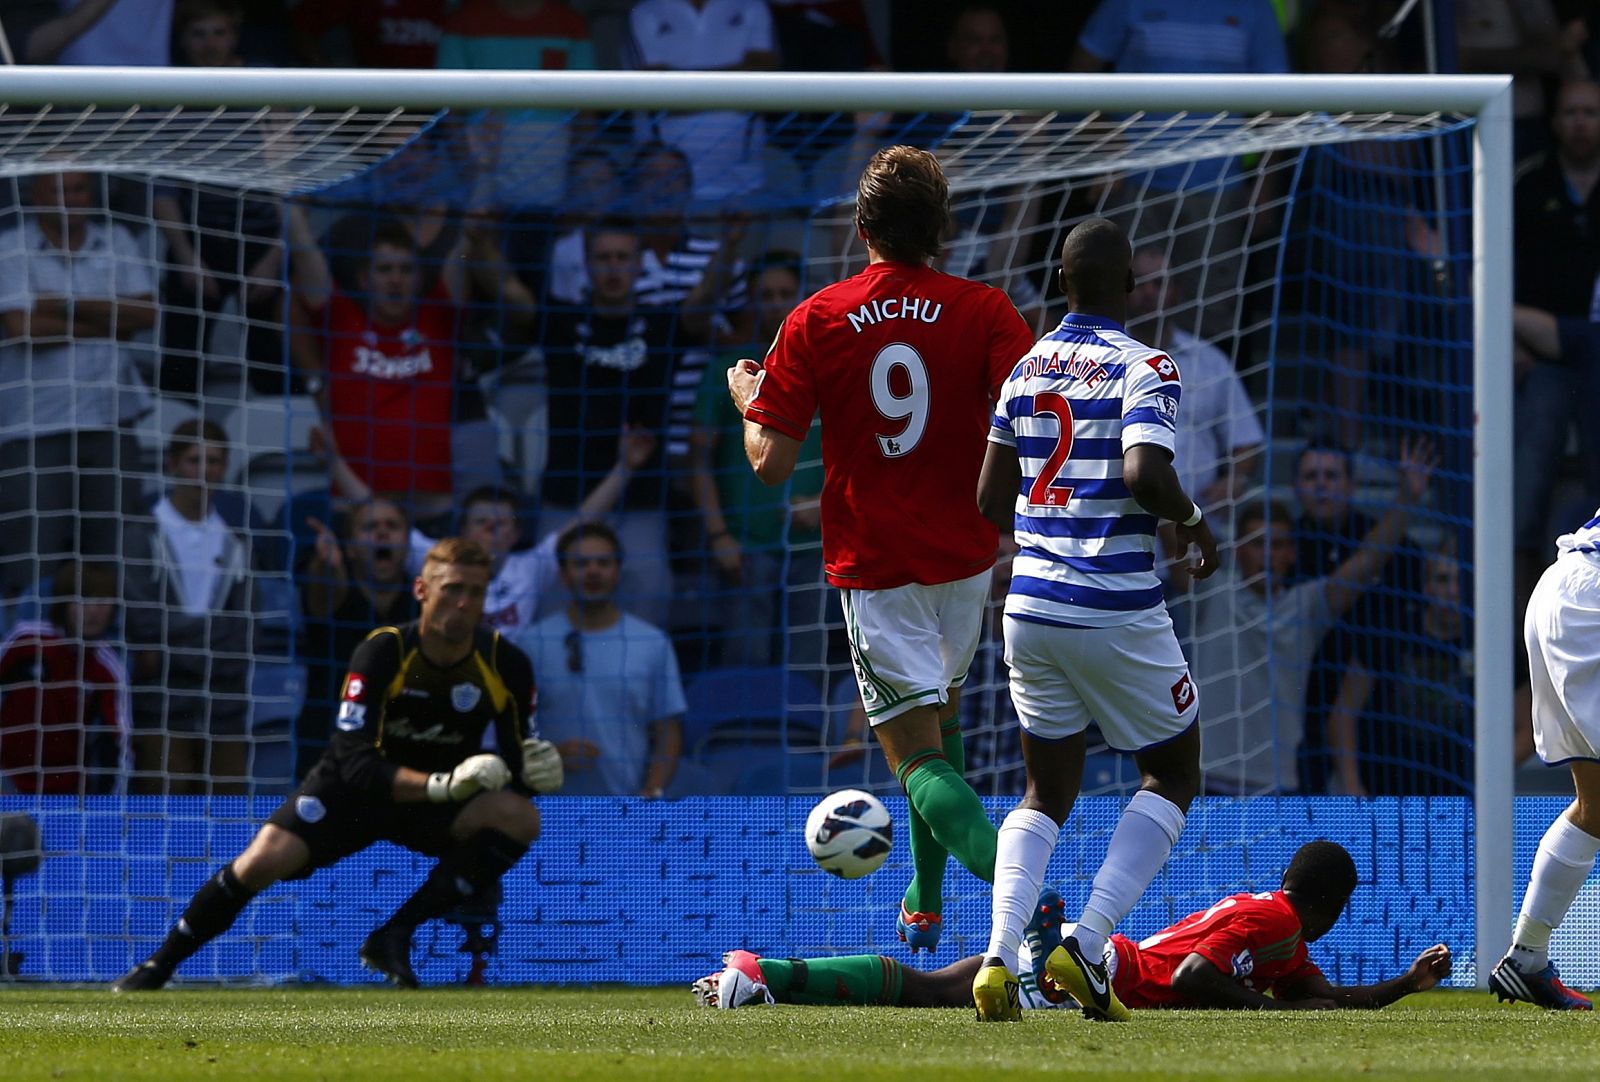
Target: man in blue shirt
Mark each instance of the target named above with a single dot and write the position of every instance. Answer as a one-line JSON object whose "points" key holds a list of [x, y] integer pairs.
{"points": [[609, 692]]}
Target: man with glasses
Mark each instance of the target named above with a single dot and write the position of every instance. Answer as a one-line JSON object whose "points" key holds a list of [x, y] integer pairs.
{"points": [[609, 691]]}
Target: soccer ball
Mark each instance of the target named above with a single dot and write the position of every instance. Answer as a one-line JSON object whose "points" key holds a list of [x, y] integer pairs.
{"points": [[849, 833]]}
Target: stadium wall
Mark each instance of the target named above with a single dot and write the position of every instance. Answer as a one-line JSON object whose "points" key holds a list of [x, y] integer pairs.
{"points": [[652, 892]]}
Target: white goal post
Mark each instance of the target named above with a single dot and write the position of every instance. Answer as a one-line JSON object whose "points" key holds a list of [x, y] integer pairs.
{"points": [[1255, 103]]}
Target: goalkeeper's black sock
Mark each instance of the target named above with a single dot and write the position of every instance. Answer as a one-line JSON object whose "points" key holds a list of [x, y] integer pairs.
{"points": [[212, 911], [478, 862]]}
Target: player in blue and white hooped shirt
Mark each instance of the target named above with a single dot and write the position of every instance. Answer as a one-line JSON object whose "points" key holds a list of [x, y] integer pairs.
{"points": [[1562, 633], [1080, 463]]}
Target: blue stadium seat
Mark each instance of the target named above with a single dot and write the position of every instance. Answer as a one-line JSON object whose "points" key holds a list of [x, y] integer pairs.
{"points": [[750, 704], [1109, 771], [804, 770]]}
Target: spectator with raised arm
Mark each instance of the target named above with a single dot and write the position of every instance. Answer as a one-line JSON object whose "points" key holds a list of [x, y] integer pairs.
{"points": [[1254, 640], [123, 33], [187, 584], [77, 289]]}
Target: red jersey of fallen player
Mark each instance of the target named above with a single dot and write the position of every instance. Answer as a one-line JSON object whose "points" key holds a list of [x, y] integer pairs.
{"points": [[903, 363], [1254, 938]]}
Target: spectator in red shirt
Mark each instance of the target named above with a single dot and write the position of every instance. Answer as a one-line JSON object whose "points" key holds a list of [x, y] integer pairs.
{"points": [[389, 361], [393, 34], [64, 717]]}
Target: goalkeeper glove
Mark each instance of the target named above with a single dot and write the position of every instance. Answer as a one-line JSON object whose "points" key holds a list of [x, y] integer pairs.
{"points": [[541, 766], [470, 777]]}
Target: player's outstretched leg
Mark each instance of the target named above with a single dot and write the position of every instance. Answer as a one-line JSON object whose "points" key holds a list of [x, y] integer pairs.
{"points": [[1564, 861], [858, 979], [475, 864], [921, 919], [212, 911]]}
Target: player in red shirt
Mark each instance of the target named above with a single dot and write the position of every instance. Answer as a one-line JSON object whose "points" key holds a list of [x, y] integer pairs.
{"points": [[902, 363], [1230, 956]]}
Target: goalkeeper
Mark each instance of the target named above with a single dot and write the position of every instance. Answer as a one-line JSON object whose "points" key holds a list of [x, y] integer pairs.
{"points": [[405, 765]]}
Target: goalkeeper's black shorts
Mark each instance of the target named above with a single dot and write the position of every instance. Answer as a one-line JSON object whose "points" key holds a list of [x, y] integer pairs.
{"points": [[334, 821]]}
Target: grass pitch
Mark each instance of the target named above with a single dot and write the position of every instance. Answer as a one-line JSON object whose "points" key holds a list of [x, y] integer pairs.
{"points": [[540, 1035]]}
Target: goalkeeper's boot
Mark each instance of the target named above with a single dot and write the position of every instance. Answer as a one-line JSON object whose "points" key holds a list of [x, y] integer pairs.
{"points": [[919, 931], [996, 993], [388, 951], [1510, 982], [1088, 982], [144, 977], [1043, 936], [740, 984]]}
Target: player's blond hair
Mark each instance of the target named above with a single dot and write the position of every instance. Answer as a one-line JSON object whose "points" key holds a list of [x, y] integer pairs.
{"points": [[457, 552]]}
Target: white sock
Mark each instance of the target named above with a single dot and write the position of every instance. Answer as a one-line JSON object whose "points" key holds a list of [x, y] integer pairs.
{"points": [[1564, 860], [1145, 835], [1022, 854]]}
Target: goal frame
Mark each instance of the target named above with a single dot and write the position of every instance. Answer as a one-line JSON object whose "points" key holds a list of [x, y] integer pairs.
{"points": [[1484, 98]]}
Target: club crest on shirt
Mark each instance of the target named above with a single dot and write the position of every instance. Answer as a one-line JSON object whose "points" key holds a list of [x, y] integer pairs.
{"points": [[1165, 368], [465, 696]]}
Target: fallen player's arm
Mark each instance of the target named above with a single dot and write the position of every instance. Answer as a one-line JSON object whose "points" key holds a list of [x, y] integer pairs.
{"points": [[1431, 967], [1202, 984]]}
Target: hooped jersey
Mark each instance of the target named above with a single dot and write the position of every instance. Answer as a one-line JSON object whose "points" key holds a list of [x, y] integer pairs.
{"points": [[1083, 395], [397, 708], [903, 363], [1253, 938]]}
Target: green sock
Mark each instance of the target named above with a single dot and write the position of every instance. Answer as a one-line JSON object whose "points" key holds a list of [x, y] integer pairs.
{"points": [[951, 811], [859, 979], [925, 893]]}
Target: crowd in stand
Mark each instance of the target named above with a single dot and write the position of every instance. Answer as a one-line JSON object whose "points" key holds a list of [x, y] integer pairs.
{"points": [[516, 331]]}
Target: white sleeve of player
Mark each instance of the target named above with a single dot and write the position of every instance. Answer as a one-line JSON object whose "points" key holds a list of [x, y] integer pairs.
{"points": [[1000, 427], [1151, 389]]}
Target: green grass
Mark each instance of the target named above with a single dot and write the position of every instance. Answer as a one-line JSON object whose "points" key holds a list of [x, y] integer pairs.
{"points": [[541, 1035]]}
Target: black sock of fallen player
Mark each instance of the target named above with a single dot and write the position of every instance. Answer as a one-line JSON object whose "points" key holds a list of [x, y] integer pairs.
{"points": [[479, 861], [212, 911]]}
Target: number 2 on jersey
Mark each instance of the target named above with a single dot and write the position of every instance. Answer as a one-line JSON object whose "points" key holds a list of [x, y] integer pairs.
{"points": [[1041, 494], [912, 407]]}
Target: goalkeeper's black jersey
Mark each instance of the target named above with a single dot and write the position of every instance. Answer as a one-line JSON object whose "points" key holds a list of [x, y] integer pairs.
{"points": [[397, 708]]}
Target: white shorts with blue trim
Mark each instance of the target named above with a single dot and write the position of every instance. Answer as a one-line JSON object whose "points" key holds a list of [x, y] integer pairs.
{"points": [[1131, 679], [912, 643]]}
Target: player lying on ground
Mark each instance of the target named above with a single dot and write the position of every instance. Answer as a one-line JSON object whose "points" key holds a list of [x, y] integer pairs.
{"points": [[1227, 957], [404, 766]]}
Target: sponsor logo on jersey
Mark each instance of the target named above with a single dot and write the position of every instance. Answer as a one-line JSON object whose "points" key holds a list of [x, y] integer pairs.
{"points": [[1165, 368], [1244, 964], [352, 716], [433, 734], [353, 687], [310, 809], [465, 696], [1183, 693], [415, 693]]}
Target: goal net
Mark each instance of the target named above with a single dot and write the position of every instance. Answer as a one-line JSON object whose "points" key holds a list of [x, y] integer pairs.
{"points": [[289, 343]]}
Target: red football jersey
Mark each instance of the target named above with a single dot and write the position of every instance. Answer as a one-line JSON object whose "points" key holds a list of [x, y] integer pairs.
{"points": [[903, 363], [390, 394], [1255, 938]]}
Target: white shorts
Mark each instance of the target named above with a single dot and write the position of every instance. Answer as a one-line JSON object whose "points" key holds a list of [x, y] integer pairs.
{"points": [[1132, 679], [1562, 630], [913, 643]]}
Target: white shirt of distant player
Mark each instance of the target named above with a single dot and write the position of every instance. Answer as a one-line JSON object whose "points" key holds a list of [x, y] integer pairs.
{"points": [[1086, 557], [1217, 420], [526, 577]]}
